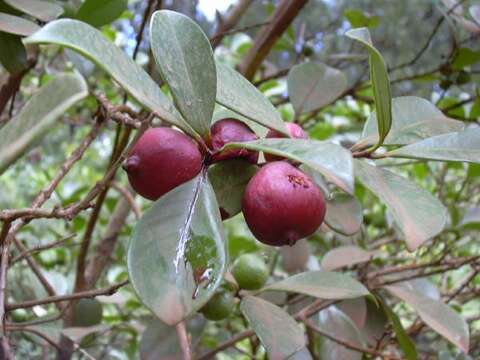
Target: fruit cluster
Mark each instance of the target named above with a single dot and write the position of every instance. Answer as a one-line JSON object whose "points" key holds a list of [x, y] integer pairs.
{"points": [[281, 204]]}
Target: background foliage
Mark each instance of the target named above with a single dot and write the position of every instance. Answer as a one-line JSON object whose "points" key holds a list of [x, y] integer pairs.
{"points": [[407, 232]]}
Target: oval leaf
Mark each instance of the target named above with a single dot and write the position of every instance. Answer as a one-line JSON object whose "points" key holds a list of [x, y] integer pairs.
{"points": [[311, 86], [344, 213], [160, 341], [38, 115], [413, 119], [279, 333], [321, 284], [92, 44], [17, 25], [337, 324], [229, 180], [42, 10], [347, 255], [237, 94], [185, 60], [380, 83], [101, 12], [13, 56], [418, 213], [457, 146], [331, 160], [176, 256], [436, 314]]}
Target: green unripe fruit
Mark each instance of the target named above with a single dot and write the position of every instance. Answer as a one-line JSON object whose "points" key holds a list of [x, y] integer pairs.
{"points": [[87, 312], [219, 306], [250, 272]]}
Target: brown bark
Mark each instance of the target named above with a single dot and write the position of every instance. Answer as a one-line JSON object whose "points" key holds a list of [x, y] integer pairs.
{"points": [[230, 21], [278, 22]]}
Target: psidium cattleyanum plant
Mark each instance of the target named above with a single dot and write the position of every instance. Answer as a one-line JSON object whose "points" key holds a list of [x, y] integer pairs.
{"points": [[177, 256], [281, 204]]}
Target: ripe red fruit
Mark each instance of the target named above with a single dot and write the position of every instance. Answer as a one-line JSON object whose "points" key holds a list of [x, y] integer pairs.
{"points": [[162, 159], [295, 131], [282, 204], [231, 130]]}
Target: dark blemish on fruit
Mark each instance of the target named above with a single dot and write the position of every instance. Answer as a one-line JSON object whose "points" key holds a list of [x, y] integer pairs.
{"points": [[298, 181]]}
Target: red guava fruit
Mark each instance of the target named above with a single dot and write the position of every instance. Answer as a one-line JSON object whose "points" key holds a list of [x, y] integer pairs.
{"points": [[231, 130], [162, 159], [282, 204]]}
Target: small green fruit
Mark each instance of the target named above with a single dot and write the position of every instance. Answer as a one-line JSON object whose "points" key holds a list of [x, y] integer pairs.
{"points": [[87, 312], [219, 306], [250, 272]]}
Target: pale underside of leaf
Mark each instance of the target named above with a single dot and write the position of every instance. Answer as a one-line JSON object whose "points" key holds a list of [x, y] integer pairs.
{"points": [[344, 213], [436, 314], [321, 284], [457, 146], [347, 255], [314, 85], [413, 119], [16, 25], [39, 115], [417, 212], [42, 10], [331, 160], [279, 332]]}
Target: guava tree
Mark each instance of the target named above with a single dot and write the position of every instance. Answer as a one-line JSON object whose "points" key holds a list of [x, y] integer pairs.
{"points": [[283, 196]]}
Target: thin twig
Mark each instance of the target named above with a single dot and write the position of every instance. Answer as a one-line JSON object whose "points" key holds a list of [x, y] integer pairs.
{"points": [[183, 340], [59, 298]]}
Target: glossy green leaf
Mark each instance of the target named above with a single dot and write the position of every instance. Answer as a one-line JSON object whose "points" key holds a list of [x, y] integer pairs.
{"points": [[185, 60], [457, 146], [101, 12], [414, 119], [417, 212], [344, 213], [176, 256], [229, 179], [405, 342], [471, 219], [237, 94], [465, 57], [311, 86], [346, 255], [357, 18], [279, 332], [17, 25], [160, 341], [92, 44], [337, 324], [42, 10], [13, 56], [331, 160], [380, 83], [321, 284], [437, 315], [38, 116]]}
